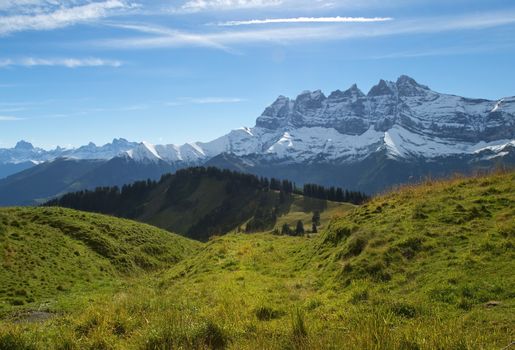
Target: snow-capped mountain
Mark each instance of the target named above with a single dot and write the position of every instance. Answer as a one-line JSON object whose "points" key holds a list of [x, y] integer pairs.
{"points": [[398, 132], [24, 155], [405, 119], [26, 152]]}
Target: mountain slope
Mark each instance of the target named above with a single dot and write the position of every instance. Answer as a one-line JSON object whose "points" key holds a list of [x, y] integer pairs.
{"points": [[41, 182], [199, 202], [13, 168], [50, 252], [425, 267], [375, 174], [50, 179]]}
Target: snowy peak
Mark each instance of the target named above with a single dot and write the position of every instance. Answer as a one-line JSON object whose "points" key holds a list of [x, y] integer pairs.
{"points": [[383, 88], [144, 153], [24, 146], [407, 86], [26, 152], [276, 114]]}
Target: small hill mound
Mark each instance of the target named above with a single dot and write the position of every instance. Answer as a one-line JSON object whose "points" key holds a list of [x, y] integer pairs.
{"points": [[50, 251], [448, 242]]}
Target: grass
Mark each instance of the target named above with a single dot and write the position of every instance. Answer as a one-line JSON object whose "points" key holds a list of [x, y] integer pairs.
{"points": [[412, 269], [47, 252], [302, 208]]}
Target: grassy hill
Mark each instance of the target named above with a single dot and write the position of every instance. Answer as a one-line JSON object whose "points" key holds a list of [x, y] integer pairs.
{"points": [[48, 252], [202, 202], [424, 267]]}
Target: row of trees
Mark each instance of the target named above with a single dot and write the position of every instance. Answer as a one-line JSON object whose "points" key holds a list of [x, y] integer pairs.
{"points": [[335, 194], [110, 199]]}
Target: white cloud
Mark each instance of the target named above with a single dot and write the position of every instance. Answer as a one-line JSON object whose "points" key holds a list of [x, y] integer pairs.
{"points": [[301, 33], [207, 5], [56, 62], [7, 118], [205, 101], [52, 18], [337, 19]]}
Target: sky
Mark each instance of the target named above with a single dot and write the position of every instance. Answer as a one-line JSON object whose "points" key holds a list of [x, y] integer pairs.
{"points": [[176, 71]]}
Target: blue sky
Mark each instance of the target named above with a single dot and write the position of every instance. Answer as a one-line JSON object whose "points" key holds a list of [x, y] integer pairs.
{"points": [[75, 71]]}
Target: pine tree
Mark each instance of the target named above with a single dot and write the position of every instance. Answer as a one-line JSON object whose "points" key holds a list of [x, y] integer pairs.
{"points": [[316, 218], [314, 228], [299, 230], [286, 229]]}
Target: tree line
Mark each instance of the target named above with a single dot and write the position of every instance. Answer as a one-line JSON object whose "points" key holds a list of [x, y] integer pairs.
{"points": [[334, 194], [112, 199]]}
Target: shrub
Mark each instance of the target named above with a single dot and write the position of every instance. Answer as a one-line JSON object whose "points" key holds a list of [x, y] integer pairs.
{"points": [[336, 233], [210, 335], [378, 272], [15, 341], [356, 246], [404, 310], [299, 329], [411, 246], [265, 313], [359, 296]]}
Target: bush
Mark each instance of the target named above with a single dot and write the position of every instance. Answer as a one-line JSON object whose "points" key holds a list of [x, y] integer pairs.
{"points": [[404, 310], [410, 247], [378, 272], [265, 313], [15, 341], [356, 246], [211, 336], [359, 296], [336, 234], [299, 329]]}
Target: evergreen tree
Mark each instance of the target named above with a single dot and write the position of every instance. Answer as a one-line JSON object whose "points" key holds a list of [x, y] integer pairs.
{"points": [[286, 230], [314, 228], [316, 218], [299, 230]]}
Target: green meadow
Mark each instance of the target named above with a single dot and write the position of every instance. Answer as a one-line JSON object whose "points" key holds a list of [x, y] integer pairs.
{"points": [[422, 267]]}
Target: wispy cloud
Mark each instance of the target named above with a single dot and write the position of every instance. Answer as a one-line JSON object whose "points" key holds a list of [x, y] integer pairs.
{"points": [[176, 38], [337, 19], [204, 101], [210, 5], [8, 118], [59, 62], [51, 18], [301, 33]]}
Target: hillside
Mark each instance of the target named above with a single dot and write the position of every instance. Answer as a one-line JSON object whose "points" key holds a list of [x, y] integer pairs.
{"points": [[48, 180], [425, 267], [202, 202], [50, 252]]}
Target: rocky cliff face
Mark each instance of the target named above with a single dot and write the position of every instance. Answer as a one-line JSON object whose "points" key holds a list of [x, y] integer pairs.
{"points": [[403, 103]]}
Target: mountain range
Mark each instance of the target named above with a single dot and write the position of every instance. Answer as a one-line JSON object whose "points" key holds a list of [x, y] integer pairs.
{"points": [[398, 132]]}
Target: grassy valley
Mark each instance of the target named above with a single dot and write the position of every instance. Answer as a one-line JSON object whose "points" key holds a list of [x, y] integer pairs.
{"points": [[424, 267]]}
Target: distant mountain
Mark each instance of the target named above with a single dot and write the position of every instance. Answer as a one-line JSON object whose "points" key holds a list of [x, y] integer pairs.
{"points": [[13, 168], [398, 132], [25, 155], [40, 183]]}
